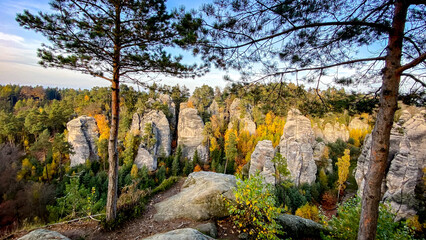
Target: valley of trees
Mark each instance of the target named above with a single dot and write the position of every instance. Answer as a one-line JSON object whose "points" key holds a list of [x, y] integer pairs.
{"points": [[35, 163]]}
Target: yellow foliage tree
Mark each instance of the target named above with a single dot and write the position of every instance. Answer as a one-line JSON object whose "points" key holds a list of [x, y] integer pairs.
{"points": [[358, 135], [26, 169], [134, 171], [272, 129], [214, 144], [308, 211], [343, 165], [102, 123], [190, 104]]}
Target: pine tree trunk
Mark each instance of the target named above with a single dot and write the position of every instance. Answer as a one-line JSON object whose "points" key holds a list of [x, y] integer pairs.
{"points": [[111, 207], [381, 133]]}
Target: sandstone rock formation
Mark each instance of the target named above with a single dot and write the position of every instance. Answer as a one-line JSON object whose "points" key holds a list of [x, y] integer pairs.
{"points": [[201, 198], [300, 228], [148, 150], [407, 158], [332, 132], [182, 234], [190, 134], [43, 234], [296, 145], [213, 108], [241, 116], [82, 134], [147, 156], [166, 99], [261, 161], [160, 123]]}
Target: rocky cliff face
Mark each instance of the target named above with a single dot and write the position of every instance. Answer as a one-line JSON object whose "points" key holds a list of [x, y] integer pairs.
{"points": [[296, 145], [149, 149], [166, 99], [190, 134], [407, 159], [332, 132], [261, 161], [213, 108], [82, 134], [160, 129], [241, 116]]}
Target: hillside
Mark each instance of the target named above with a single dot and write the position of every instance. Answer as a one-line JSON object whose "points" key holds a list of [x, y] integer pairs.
{"points": [[310, 147]]}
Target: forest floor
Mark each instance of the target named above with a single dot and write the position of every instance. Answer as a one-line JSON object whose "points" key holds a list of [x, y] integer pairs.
{"points": [[138, 228]]}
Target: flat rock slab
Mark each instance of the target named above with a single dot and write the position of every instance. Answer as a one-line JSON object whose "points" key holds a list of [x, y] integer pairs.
{"points": [[182, 234], [202, 198], [43, 234]]}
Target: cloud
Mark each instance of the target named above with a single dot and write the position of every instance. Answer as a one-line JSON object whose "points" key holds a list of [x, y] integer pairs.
{"points": [[11, 38]]}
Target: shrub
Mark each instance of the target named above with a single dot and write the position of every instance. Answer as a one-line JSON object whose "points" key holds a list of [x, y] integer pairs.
{"points": [[329, 199], [344, 226], [254, 210], [308, 211], [166, 184]]}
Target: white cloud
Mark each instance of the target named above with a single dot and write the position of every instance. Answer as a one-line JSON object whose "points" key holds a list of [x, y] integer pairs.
{"points": [[11, 38]]}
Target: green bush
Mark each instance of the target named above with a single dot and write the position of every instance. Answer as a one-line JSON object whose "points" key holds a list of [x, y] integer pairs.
{"points": [[166, 184], [254, 210], [346, 224]]}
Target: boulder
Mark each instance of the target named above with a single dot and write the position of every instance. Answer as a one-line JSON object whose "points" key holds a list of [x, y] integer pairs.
{"points": [[82, 134], [300, 228], [296, 145], [208, 229], [332, 132], [241, 116], [190, 134], [261, 161], [182, 234], [407, 159], [201, 198], [43, 234]]}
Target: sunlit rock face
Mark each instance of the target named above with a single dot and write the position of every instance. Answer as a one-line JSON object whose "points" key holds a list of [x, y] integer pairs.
{"points": [[242, 117], [296, 145], [190, 134], [261, 161], [335, 131], [407, 159], [82, 134]]}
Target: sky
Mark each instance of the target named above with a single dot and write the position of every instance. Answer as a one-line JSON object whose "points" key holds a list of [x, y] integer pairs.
{"points": [[18, 55], [19, 61]]}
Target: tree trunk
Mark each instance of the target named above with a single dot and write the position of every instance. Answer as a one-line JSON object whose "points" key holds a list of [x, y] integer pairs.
{"points": [[111, 207], [381, 133]]}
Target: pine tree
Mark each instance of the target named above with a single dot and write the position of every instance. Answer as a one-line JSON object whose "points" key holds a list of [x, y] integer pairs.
{"points": [[315, 37], [113, 40]]}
